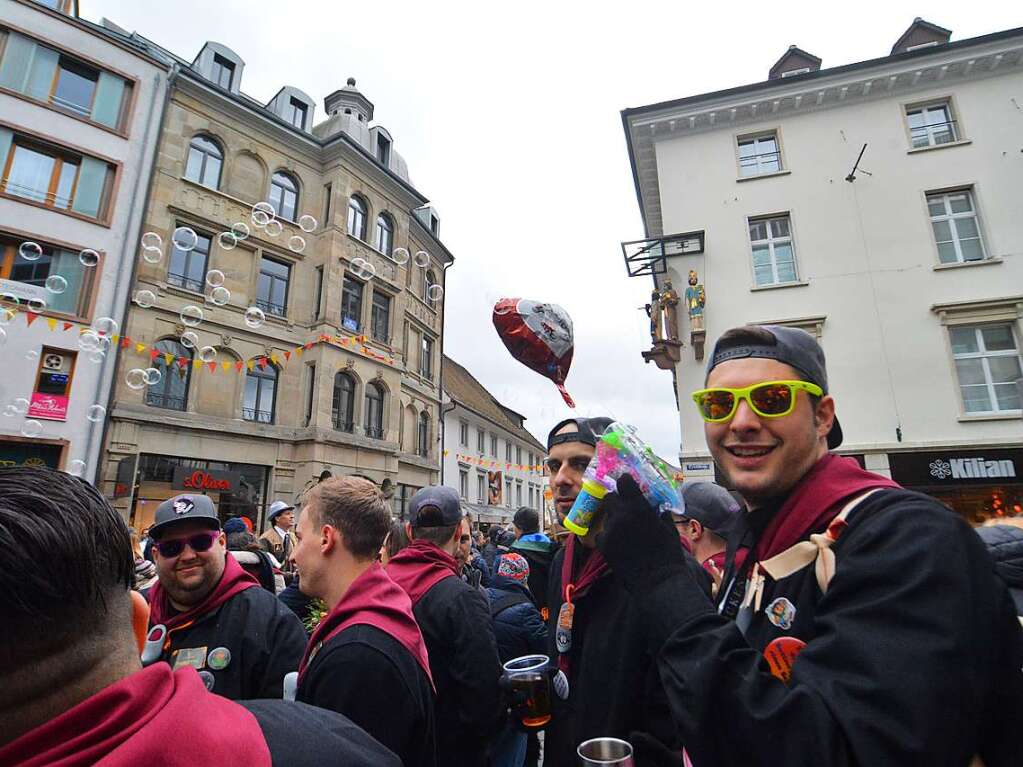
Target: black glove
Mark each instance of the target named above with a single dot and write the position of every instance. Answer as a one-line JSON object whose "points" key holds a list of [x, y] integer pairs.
{"points": [[642, 548], [650, 752]]}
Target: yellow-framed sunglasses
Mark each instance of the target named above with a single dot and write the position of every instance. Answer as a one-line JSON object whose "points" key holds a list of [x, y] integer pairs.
{"points": [[769, 399]]}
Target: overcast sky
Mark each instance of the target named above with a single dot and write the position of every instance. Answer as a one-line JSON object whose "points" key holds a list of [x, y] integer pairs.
{"points": [[508, 116]]}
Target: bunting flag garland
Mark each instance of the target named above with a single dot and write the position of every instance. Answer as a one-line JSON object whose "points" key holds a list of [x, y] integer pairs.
{"points": [[482, 462]]}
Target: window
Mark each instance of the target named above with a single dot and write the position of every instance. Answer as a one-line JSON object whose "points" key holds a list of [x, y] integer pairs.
{"points": [[508, 453], [223, 71], [463, 484], [351, 304], [931, 124], [774, 261], [26, 280], [383, 150], [260, 393], [481, 443], [357, 217], [463, 434], [429, 278], [172, 391], [507, 492], [187, 268], [426, 361], [423, 438], [954, 221], [759, 154], [481, 488], [327, 189], [385, 234], [987, 365], [204, 161], [380, 320], [284, 195], [295, 113], [41, 174], [518, 493], [343, 405], [319, 292], [272, 290], [74, 86], [374, 411], [529, 459], [493, 445], [530, 496], [310, 393]]}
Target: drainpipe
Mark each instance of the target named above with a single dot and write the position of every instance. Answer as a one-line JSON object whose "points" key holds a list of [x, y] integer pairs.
{"points": [[122, 287], [440, 377]]}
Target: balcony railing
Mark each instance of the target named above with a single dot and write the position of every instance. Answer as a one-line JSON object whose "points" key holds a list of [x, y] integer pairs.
{"points": [[50, 199], [184, 281], [374, 432], [277, 310], [345, 426], [166, 401], [259, 416], [934, 134]]}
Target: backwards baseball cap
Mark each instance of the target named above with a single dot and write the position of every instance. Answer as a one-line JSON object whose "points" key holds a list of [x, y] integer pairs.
{"points": [[710, 505], [184, 508], [279, 507], [792, 346], [589, 431], [435, 507]]}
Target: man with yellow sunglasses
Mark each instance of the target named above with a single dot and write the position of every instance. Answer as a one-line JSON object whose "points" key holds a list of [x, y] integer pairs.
{"points": [[865, 626]]}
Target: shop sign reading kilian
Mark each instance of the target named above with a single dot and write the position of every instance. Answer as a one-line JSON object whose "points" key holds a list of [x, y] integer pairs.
{"points": [[934, 468], [971, 468]]}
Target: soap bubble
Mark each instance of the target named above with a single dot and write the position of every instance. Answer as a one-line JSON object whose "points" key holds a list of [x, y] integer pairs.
{"points": [[145, 298], [153, 376], [152, 255], [105, 326], [265, 208], [88, 340], [260, 219], [307, 223], [363, 269], [254, 317], [274, 227], [152, 240], [97, 356], [190, 339], [88, 257], [9, 411], [185, 238], [31, 428], [227, 240], [135, 378], [400, 256], [220, 295], [240, 230], [20, 405], [191, 315], [76, 468], [208, 354], [32, 354], [296, 243], [422, 259], [30, 251], [435, 292], [36, 305], [214, 278], [56, 284], [96, 413]]}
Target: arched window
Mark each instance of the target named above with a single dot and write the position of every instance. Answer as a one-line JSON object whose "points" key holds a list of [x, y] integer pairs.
{"points": [[423, 438], [429, 279], [172, 391], [205, 159], [344, 402], [374, 407], [284, 195], [357, 217], [385, 234], [260, 392]]}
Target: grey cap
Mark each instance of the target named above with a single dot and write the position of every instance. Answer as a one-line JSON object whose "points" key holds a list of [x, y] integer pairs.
{"points": [[184, 508], [277, 508], [440, 498], [792, 346], [710, 505]]}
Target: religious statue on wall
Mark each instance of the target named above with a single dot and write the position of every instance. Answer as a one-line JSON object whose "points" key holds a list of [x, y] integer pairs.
{"points": [[696, 299], [669, 304], [654, 312]]}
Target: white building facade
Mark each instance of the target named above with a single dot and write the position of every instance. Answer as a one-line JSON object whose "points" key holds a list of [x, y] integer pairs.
{"points": [[877, 206], [489, 458], [80, 112]]}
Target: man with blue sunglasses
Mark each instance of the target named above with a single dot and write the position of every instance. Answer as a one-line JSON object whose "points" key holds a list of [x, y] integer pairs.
{"points": [[218, 619]]}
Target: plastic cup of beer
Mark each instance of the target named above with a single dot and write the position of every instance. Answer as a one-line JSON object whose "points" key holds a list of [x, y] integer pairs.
{"points": [[531, 689], [605, 752]]}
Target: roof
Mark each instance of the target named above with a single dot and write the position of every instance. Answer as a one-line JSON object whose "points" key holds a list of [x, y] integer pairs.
{"points": [[940, 34], [462, 387]]}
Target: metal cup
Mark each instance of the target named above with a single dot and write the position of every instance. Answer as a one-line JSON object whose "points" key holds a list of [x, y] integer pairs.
{"points": [[605, 752]]}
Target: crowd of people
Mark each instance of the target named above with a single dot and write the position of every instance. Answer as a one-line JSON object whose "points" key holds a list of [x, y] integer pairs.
{"points": [[813, 613]]}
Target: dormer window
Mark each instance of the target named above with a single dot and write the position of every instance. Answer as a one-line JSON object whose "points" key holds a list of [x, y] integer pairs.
{"points": [[794, 72], [383, 150], [223, 71], [295, 113]]}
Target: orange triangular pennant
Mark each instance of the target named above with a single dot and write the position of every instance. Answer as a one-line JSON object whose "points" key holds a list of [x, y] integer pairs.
{"points": [[30, 317], [287, 356], [67, 325], [262, 363], [213, 367], [238, 366]]}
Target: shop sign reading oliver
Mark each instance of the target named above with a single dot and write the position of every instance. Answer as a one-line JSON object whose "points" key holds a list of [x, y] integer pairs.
{"points": [[186, 478], [971, 468]]}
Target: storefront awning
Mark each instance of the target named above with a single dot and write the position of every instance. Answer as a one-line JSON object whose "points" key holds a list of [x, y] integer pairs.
{"points": [[482, 513]]}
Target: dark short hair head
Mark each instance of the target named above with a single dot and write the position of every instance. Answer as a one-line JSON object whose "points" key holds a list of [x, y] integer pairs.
{"points": [[438, 534], [527, 520], [355, 507], [65, 554], [396, 538]]}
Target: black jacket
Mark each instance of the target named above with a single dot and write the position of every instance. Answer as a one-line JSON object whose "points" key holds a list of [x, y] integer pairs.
{"points": [[518, 628], [1005, 544], [614, 687], [455, 621], [539, 554], [304, 736], [264, 637], [370, 677], [913, 655]]}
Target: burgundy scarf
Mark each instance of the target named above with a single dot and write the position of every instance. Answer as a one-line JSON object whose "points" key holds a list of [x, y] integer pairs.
{"points": [[815, 501], [596, 566], [419, 567], [141, 720], [375, 600], [233, 581]]}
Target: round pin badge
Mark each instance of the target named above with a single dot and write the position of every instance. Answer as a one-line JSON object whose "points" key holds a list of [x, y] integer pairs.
{"points": [[219, 658]]}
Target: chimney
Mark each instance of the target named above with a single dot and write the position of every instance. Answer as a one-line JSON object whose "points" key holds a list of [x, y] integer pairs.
{"points": [[795, 61]]}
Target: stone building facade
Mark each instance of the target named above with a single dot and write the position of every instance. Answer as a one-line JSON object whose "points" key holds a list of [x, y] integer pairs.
{"points": [[344, 366]]}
